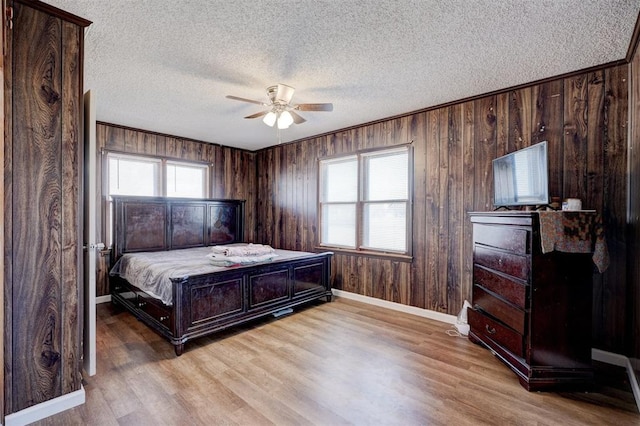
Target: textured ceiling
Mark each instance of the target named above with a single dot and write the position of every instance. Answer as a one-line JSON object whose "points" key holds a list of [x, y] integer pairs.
{"points": [[166, 65]]}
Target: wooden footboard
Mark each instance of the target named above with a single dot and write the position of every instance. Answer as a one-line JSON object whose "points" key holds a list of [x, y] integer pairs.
{"points": [[205, 304]]}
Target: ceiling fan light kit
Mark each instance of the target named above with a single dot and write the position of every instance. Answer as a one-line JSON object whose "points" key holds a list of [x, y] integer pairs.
{"points": [[270, 118], [281, 110], [285, 120]]}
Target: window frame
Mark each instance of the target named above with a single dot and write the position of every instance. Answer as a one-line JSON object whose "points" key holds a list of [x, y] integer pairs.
{"points": [[192, 164], [140, 158], [360, 248], [161, 181]]}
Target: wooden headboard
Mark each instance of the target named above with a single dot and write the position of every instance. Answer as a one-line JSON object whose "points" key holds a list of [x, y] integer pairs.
{"points": [[159, 223]]}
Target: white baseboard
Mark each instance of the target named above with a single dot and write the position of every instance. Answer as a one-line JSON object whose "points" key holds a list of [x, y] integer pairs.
{"points": [[620, 361], [425, 313], [103, 299], [46, 409]]}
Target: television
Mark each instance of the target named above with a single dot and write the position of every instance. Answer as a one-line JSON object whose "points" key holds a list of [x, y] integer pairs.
{"points": [[521, 178]]}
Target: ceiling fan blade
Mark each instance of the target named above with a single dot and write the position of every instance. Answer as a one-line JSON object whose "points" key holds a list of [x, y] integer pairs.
{"points": [[284, 93], [235, 98], [297, 118], [314, 107], [257, 114]]}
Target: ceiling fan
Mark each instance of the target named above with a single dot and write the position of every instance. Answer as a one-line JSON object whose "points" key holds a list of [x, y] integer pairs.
{"points": [[280, 109]]}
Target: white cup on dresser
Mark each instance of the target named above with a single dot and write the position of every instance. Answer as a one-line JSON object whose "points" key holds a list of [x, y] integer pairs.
{"points": [[572, 204]]}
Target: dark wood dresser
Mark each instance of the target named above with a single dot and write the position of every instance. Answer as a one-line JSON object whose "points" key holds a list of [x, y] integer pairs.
{"points": [[531, 309]]}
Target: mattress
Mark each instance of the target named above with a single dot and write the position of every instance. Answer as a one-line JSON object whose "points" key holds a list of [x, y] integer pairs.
{"points": [[152, 271]]}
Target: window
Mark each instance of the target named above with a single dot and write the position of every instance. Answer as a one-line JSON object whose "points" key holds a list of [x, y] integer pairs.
{"points": [[186, 180], [133, 175], [151, 176], [138, 175], [365, 201]]}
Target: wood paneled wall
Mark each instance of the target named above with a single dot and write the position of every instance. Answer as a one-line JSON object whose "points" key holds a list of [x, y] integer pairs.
{"points": [[584, 119], [43, 124], [233, 172], [634, 210]]}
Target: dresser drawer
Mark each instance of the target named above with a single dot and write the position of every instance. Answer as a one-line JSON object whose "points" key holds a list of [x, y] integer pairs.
{"points": [[509, 263], [486, 328], [511, 290], [504, 237], [497, 307]]}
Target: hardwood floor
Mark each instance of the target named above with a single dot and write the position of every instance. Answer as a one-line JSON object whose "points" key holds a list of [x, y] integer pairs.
{"points": [[329, 364]]}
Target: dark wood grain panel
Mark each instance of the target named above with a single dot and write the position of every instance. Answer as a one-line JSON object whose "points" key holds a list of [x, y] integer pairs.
{"points": [[310, 232], [595, 171], [456, 213], [468, 191], [218, 174], [548, 120], [42, 217], [188, 226], [223, 223], [595, 142], [291, 209], [7, 212], [102, 272], [432, 212], [615, 187], [267, 287], [214, 301], [575, 137], [114, 138], [519, 119], [633, 226], [306, 278], [165, 223], [72, 169], [37, 227], [485, 152], [418, 266], [440, 300], [144, 227], [503, 100], [364, 278]]}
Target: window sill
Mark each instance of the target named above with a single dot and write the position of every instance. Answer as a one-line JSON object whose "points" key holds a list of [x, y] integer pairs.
{"points": [[364, 253]]}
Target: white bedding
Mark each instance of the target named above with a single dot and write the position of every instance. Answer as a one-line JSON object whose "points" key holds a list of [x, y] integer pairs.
{"points": [[152, 271]]}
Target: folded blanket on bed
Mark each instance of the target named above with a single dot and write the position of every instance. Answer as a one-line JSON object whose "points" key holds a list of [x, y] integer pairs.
{"points": [[221, 259], [243, 251]]}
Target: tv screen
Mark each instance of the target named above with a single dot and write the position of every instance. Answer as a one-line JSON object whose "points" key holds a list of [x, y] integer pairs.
{"points": [[521, 178]]}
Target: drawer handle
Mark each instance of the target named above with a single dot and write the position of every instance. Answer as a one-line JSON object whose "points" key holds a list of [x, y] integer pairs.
{"points": [[164, 318], [490, 330], [142, 304]]}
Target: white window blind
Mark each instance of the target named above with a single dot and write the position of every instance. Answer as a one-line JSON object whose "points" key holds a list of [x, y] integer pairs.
{"points": [[339, 197], [365, 201], [185, 180], [134, 176]]}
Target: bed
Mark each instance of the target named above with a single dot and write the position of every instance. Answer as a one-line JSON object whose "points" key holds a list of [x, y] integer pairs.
{"points": [[201, 298]]}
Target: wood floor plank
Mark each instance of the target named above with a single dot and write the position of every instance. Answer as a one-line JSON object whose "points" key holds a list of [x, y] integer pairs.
{"points": [[340, 363]]}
